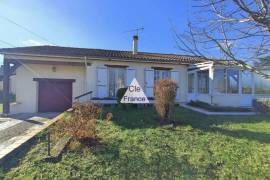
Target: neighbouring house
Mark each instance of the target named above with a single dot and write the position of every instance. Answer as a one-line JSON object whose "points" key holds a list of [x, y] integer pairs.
{"points": [[51, 78]]}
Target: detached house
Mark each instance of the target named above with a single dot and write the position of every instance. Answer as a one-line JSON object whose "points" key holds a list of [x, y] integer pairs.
{"points": [[51, 78]]}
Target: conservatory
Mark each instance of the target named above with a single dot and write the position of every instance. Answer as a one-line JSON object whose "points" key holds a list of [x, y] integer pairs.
{"points": [[225, 85]]}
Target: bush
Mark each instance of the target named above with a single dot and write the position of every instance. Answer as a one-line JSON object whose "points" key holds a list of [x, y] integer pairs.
{"points": [[109, 117], [82, 122], [261, 105], [2, 174], [119, 94], [165, 93], [57, 130]]}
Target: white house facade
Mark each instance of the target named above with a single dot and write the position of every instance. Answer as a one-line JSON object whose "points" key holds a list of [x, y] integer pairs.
{"points": [[51, 78]]}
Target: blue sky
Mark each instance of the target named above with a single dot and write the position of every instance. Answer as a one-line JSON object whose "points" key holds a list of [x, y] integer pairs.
{"points": [[94, 23]]}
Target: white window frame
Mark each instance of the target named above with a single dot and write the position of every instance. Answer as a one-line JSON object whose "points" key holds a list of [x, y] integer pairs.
{"points": [[197, 82], [258, 94], [251, 82], [238, 71], [226, 82], [108, 77], [162, 71], [193, 82]]}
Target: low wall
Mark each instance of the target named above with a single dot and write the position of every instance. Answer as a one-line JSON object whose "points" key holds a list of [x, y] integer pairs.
{"points": [[233, 100]]}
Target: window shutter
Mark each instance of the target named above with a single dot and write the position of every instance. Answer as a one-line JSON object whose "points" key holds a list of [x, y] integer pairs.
{"points": [[102, 82], [175, 75], [131, 74], [149, 82]]}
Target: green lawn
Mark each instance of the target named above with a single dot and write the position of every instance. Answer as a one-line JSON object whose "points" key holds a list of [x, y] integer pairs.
{"points": [[134, 146], [1, 108]]}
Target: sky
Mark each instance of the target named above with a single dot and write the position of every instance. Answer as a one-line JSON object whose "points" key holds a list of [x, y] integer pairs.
{"points": [[94, 23]]}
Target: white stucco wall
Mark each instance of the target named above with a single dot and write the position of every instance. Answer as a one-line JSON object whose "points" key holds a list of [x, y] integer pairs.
{"points": [[140, 73], [85, 78], [27, 89], [233, 100]]}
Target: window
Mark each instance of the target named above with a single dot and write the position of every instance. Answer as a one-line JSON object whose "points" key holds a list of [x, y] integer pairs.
{"points": [[246, 82], [203, 82], [116, 80], [191, 83], [220, 80], [232, 81], [226, 81], [161, 74], [262, 85]]}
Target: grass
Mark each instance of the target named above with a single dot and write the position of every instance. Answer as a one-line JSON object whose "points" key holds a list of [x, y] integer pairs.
{"points": [[135, 146], [1, 108]]}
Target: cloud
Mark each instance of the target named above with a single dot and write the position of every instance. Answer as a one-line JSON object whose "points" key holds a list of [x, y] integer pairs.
{"points": [[31, 42]]}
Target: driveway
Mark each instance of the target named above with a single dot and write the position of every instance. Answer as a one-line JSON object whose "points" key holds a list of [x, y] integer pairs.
{"points": [[15, 127]]}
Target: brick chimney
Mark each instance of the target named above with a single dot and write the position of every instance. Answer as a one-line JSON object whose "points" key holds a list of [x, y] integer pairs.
{"points": [[135, 44]]}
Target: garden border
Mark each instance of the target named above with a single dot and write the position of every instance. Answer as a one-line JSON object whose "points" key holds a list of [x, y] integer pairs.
{"points": [[203, 111]]}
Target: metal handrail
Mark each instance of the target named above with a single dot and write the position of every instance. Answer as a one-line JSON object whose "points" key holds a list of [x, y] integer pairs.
{"points": [[78, 97]]}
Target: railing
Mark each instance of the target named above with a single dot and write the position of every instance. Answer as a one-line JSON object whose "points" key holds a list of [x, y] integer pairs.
{"points": [[85, 94]]}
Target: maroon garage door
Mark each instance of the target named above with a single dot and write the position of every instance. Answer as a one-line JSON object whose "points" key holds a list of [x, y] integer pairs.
{"points": [[54, 95]]}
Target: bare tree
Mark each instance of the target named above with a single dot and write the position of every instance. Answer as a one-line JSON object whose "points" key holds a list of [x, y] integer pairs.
{"points": [[236, 30]]}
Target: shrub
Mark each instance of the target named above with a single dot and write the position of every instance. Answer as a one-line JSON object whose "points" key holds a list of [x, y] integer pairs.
{"points": [[82, 122], [2, 174], [57, 130], [119, 94], [74, 145], [109, 117], [165, 93], [261, 105]]}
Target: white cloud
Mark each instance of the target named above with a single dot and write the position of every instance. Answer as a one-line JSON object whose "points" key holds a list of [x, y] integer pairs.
{"points": [[31, 42]]}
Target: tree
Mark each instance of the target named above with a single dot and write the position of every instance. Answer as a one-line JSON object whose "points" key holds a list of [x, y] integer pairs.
{"points": [[237, 30]]}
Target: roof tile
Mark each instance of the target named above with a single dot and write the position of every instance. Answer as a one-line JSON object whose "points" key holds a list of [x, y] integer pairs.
{"points": [[102, 53]]}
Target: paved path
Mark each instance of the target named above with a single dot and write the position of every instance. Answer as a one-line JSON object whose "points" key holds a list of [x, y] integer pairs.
{"points": [[203, 111], [17, 129]]}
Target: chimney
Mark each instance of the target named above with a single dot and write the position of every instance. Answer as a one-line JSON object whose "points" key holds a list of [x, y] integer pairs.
{"points": [[135, 44]]}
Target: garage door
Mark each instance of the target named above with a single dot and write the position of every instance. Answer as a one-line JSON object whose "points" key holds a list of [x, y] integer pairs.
{"points": [[54, 95]]}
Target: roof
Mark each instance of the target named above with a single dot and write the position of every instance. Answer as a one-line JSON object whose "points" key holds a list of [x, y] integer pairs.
{"points": [[102, 53]]}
